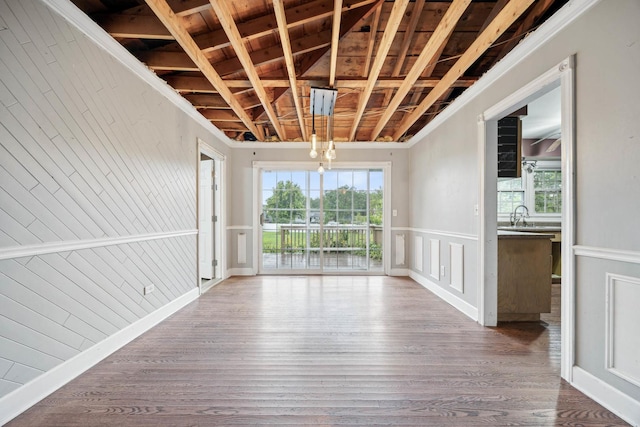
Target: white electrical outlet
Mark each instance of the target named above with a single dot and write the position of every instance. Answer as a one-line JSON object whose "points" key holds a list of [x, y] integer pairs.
{"points": [[395, 212], [148, 289], [442, 270]]}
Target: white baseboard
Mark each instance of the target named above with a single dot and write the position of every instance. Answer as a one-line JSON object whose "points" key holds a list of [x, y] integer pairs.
{"points": [[448, 297], [21, 399], [610, 397], [240, 272], [399, 272]]}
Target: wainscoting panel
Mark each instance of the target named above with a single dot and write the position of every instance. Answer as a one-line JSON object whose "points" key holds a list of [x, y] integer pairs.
{"points": [[418, 250], [434, 258], [400, 251], [622, 341], [242, 248], [456, 266]]}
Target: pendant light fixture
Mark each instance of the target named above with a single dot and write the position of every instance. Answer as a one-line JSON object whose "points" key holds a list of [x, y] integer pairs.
{"points": [[322, 104]]}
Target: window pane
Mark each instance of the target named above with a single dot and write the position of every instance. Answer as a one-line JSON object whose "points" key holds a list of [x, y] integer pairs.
{"points": [[360, 180], [376, 180], [360, 200], [314, 180], [344, 217], [330, 180], [268, 180], [345, 179], [299, 178], [314, 199], [360, 217]]}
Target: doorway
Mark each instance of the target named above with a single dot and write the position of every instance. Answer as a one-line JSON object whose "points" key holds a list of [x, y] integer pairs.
{"points": [[312, 223], [210, 218], [560, 77]]}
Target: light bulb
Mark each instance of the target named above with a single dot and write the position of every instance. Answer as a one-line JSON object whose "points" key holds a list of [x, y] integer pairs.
{"points": [[313, 153], [320, 169]]}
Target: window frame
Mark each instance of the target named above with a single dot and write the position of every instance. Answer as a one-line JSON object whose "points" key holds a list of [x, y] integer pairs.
{"points": [[529, 192]]}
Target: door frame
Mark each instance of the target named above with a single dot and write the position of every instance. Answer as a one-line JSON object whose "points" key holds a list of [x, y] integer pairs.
{"points": [[258, 166], [563, 76], [219, 227]]}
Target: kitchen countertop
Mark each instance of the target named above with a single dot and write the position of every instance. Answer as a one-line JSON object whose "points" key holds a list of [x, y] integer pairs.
{"points": [[532, 228], [514, 234]]}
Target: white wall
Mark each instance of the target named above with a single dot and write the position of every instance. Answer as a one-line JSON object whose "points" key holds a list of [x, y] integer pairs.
{"points": [[444, 171], [89, 155]]}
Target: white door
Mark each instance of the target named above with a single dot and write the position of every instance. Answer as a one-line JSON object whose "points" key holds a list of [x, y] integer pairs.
{"points": [[205, 221]]}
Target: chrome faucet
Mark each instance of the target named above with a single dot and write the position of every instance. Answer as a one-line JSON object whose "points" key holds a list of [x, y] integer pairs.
{"points": [[515, 217]]}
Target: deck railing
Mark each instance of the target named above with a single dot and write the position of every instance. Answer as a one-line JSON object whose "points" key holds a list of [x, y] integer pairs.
{"points": [[335, 238]]}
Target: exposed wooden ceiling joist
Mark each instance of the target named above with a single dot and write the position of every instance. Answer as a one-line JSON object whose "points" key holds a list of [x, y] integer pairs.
{"points": [[385, 44], [188, 7], [507, 16], [173, 24], [406, 41], [207, 101], [335, 37], [278, 7], [229, 25], [386, 94], [538, 9], [348, 23], [201, 84], [428, 55], [251, 29], [373, 31], [135, 26]]}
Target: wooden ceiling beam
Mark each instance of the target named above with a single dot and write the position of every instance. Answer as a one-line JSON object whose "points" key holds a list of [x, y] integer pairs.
{"points": [[191, 84], [418, 6], [507, 16], [264, 25], [275, 53], [188, 7], [346, 82], [220, 115], [348, 23], [170, 61], [397, 12], [134, 26], [197, 84], [180, 61], [433, 47], [206, 101], [278, 7], [537, 11], [230, 126], [428, 71], [373, 31], [182, 36], [229, 26], [335, 37]]}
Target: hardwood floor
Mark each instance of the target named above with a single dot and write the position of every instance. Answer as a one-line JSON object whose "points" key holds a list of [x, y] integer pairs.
{"points": [[325, 351]]}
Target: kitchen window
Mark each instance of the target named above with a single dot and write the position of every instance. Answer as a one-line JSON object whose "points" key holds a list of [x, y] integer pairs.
{"points": [[539, 190]]}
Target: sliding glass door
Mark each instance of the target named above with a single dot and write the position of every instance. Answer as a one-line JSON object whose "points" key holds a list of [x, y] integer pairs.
{"points": [[315, 223]]}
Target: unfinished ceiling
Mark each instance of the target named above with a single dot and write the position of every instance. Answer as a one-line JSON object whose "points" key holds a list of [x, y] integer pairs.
{"points": [[248, 65]]}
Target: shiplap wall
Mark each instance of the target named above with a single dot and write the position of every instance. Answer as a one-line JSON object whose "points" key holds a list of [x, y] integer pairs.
{"points": [[88, 153]]}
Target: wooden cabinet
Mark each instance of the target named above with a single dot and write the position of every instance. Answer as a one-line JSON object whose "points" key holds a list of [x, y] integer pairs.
{"points": [[509, 147], [524, 275]]}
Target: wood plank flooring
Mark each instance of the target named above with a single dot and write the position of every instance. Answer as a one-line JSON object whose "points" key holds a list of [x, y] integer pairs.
{"points": [[326, 351]]}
